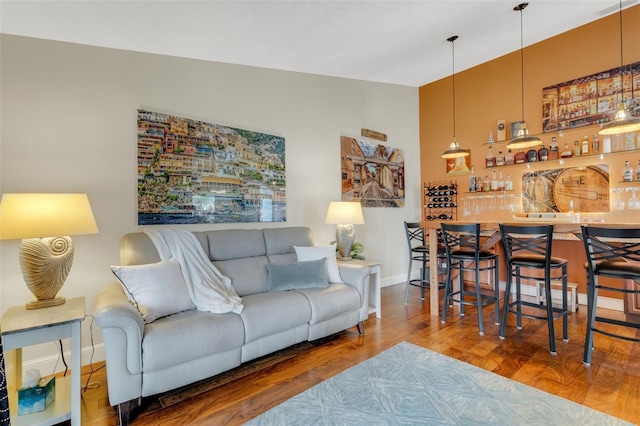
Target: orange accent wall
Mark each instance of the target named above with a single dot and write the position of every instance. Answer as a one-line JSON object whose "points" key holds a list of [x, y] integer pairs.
{"points": [[492, 91]]}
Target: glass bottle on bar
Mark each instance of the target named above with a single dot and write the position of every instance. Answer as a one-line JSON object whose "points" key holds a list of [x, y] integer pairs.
{"points": [[638, 171], [490, 159], [543, 153], [585, 148], [508, 184], [500, 159], [486, 185], [509, 159], [494, 180], [576, 149], [532, 155], [478, 184], [472, 181], [520, 157], [595, 144], [566, 152], [627, 172], [553, 149]]}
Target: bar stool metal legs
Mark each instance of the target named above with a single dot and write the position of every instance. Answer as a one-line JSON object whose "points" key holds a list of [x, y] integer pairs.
{"points": [[464, 254], [613, 253], [529, 248], [418, 251]]}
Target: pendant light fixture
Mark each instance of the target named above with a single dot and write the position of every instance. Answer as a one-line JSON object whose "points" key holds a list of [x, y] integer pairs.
{"points": [[623, 122], [522, 138], [454, 150]]}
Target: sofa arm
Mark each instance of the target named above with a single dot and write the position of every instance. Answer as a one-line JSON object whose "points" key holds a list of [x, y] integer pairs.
{"points": [[122, 329], [357, 276]]}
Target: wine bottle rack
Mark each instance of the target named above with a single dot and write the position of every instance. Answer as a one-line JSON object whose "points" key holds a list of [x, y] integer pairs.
{"points": [[440, 200]]}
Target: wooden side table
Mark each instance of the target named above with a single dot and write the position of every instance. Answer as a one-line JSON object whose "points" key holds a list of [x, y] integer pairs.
{"points": [[20, 328], [373, 289]]}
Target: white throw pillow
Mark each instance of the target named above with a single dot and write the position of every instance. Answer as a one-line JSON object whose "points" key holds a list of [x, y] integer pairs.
{"points": [[156, 289], [320, 252]]}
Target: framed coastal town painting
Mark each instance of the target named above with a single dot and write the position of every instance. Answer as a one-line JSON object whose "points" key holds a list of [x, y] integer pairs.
{"points": [[372, 173], [192, 171], [586, 189]]}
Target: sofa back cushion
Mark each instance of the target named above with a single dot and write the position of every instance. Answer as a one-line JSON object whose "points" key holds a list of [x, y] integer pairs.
{"points": [[240, 254], [280, 242]]}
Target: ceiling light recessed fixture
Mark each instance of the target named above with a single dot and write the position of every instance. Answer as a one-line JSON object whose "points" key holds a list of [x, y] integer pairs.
{"points": [[454, 150], [623, 122], [522, 138]]}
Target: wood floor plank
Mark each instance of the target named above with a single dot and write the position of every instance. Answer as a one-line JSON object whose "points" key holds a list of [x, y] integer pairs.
{"points": [[611, 384]]}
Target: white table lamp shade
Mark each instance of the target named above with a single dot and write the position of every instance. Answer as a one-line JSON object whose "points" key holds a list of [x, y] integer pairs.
{"points": [[44, 222], [344, 215]]}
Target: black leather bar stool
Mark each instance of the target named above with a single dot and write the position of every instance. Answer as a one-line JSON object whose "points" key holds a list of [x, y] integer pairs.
{"points": [[529, 247], [463, 248], [614, 253], [419, 251]]}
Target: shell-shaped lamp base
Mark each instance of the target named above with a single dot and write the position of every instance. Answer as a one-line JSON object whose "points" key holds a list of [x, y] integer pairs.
{"points": [[45, 264]]}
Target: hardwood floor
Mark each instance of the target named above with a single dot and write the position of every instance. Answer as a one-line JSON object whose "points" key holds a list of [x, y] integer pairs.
{"points": [[610, 385]]}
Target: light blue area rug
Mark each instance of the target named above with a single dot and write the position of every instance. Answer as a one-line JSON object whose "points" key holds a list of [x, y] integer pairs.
{"points": [[410, 385]]}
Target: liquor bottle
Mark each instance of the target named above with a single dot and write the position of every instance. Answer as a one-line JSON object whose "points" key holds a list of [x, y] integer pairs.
{"points": [[472, 181], [508, 184], [532, 155], [486, 186], [553, 149], [543, 153], [490, 159], [520, 157], [638, 171], [509, 158], [606, 144], [494, 181], [576, 149], [595, 144], [585, 149], [566, 152], [500, 159], [479, 184], [627, 172], [501, 179]]}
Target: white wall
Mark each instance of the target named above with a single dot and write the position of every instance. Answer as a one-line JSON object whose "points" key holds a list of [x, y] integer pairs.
{"points": [[68, 116]]}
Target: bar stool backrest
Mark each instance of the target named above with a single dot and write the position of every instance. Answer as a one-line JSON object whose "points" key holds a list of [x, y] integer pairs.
{"points": [[527, 240], [415, 235], [611, 244], [461, 239]]}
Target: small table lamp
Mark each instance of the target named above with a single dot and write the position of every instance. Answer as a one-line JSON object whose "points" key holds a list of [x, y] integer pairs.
{"points": [[345, 214], [45, 257]]}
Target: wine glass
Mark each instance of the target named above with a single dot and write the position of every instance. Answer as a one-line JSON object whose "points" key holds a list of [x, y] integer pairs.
{"points": [[618, 203], [633, 203]]}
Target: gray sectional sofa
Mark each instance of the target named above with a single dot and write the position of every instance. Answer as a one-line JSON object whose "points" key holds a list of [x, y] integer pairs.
{"points": [[146, 358]]}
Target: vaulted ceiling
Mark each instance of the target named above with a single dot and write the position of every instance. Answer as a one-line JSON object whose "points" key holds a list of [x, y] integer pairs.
{"points": [[394, 41]]}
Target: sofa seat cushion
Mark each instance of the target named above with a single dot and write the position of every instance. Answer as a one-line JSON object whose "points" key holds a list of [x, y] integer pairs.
{"points": [[187, 336], [331, 302], [265, 314]]}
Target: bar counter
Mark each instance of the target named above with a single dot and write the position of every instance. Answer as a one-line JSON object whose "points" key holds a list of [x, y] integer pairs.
{"points": [[561, 230]]}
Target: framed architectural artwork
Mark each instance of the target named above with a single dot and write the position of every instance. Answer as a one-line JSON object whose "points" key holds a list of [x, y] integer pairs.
{"points": [[192, 171], [372, 173]]}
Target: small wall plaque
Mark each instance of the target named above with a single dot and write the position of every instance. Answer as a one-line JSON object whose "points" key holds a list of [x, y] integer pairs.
{"points": [[374, 135]]}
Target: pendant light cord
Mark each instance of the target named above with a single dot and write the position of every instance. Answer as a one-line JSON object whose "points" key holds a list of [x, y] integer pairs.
{"points": [[521, 7], [453, 80], [621, 58]]}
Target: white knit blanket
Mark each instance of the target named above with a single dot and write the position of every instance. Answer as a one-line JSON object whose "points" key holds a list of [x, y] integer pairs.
{"points": [[209, 290]]}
